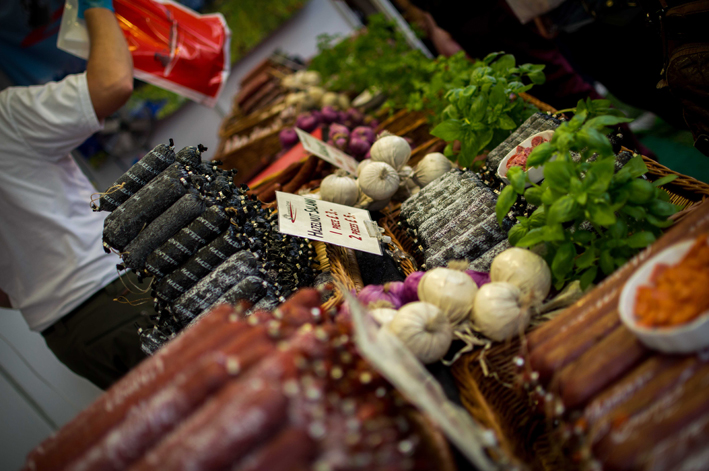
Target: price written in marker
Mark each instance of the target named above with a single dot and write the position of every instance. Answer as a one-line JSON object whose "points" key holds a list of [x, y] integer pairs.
{"points": [[337, 224], [327, 152]]}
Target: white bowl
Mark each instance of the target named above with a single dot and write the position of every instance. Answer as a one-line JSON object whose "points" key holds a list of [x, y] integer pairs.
{"points": [[684, 338], [536, 174]]}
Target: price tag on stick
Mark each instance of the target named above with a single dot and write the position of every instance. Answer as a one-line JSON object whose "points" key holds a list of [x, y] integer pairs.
{"points": [[337, 224], [326, 152]]}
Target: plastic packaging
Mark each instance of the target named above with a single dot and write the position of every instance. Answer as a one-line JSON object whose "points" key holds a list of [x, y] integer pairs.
{"points": [[172, 46]]}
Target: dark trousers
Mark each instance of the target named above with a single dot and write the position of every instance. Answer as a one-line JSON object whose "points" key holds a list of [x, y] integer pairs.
{"points": [[99, 339]]}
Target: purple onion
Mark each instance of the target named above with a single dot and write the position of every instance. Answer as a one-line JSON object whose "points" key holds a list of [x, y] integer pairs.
{"points": [[355, 116], [341, 117], [329, 115], [317, 115], [479, 277], [358, 147], [341, 143], [376, 293], [411, 287], [306, 122], [288, 137], [365, 133], [374, 124]]}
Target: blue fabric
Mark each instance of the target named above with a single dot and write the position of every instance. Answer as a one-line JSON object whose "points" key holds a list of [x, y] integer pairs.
{"points": [[86, 4]]}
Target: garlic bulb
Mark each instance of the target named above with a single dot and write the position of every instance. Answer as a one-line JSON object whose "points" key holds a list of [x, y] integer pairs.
{"points": [[431, 167], [524, 269], [499, 311], [343, 101], [379, 181], [424, 329], [316, 93], [383, 315], [309, 77], [452, 291], [393, 150], [339, 188], [361, 165]]}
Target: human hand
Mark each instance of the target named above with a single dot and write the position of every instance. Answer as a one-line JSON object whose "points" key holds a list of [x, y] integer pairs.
{"points": [[86, 4]]}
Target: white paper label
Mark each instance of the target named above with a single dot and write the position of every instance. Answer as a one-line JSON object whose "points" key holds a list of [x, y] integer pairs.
{"points": [[337, 224], [326, 152]]}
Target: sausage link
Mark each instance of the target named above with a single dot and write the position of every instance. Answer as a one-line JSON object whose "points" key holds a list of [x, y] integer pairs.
{"points": [[291, 449]]}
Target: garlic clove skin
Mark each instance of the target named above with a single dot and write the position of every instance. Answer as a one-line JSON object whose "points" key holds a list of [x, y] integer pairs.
{"points": [[339, 188], [383, 315], [431, 167], [452, 291], [524, 269], [392, 150], [498, 311], [379, 181], [424, 329], [362, 165]]}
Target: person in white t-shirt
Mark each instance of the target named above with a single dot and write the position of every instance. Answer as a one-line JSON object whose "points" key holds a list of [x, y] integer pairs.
{"points": [[52, 264]]}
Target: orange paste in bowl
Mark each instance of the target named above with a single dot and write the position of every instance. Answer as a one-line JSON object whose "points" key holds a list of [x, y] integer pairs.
{"points": [[678, 293]]}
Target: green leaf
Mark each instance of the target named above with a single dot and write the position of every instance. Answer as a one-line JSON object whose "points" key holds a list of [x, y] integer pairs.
{"points": [[504, 202], [558, 173], [503, 63], [655, 221], [636, 166], [533, 195], [575, 186], [587, 277], [517, 178], [564, 209], [485, 137], [498, 97], [554, 233], [664, 180], [516, 233], [578, 119], [448, 152], [533, 237], [635, 212], [538, 218], [478, 107], [600, 122], [601, 214], [619, 229], [662, 208], [607, 262], [549, 196], [582, 237], [523, 221], [640, 240], [563, 261], [595, 141], [540, 154], [599, 176], [448, 130], [640, 191], [505, 122], [491, 57], [586, 259], [537, 77]]}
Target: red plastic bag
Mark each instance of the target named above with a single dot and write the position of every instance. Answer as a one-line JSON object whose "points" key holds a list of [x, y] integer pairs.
{"points": [[173, 47]]}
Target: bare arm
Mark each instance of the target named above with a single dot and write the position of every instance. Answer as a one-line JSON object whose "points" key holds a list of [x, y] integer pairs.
{"points": [[109, 71]]}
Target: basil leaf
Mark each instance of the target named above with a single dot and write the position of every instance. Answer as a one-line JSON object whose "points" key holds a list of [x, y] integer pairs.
{"points": [[491, 57], [618, 230], [595, 140], [478, 107], [505, 62], [563, 260], [448, 152], [662, 208], [505, 122], [636, 166], [575, 186], [655, 221], [599, 176], [533, 237], [587, 277], [564, 209], [549, 196], [582, 237], [533, 195], [664, 180], [448, 130], [558, 173], [554, 233], [540, 154], [635, 212], [516, 233], [640, 240], [607, 262], [517, 178], [599, 122], [640, 191], [601, 214], [587, 258], [538, 218], [537, 77], [485, 137], [504, 203]]}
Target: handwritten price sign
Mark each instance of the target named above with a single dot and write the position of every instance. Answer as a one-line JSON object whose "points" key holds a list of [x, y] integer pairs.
{"points": [[303, 216]]}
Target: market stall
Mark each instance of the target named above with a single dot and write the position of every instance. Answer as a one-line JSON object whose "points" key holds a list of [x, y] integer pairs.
{"points": [[509, 245]]}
